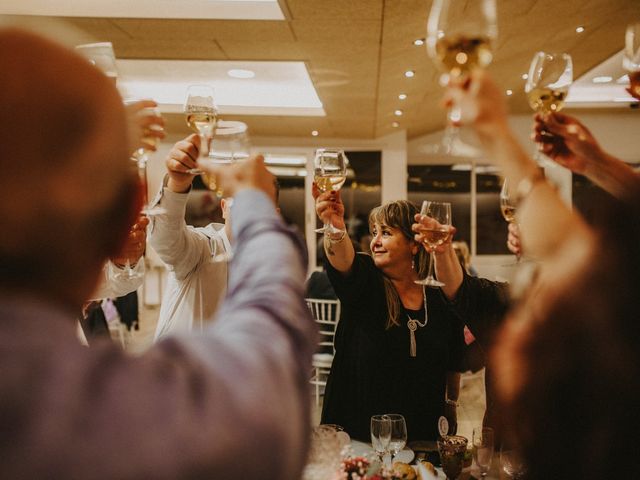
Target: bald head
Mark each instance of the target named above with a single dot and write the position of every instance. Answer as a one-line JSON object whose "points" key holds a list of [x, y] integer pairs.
{"points": [[64, 162]]}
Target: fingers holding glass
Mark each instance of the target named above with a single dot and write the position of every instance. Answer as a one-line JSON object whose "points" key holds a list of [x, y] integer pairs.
{"points": [[436, 231]]}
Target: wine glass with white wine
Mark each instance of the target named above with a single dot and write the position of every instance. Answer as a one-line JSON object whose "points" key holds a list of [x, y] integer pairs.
{"points": [[631, 59], [201, 116], [547, 87], [102, 56], [460, 37], [330, 173], [435, 236]]}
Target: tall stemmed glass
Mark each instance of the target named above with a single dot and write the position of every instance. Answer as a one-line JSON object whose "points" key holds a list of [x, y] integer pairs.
{"points": [[330, 173], [149, 144], [631, 59], [483, 449], [201, 116], [548, 82], [398, 438], [512, 463], [436, 236], [102, 56], [459, 38], [508, 208], [380, 435]]}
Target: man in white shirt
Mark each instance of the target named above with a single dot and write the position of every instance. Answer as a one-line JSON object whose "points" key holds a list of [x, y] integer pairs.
{"points": [[197, 282]]}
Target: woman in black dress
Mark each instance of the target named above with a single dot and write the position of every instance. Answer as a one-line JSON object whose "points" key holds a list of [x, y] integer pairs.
{"points": [[397, 342]]}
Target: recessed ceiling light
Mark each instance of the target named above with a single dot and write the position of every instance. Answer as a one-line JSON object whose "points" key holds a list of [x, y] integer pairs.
{"points": [[409, 73], [623, 79], [402, 96], [580, 29], [241, 73], [314, 133], [525, 76], [398, 113], [602, 79], [509, 93], [395, 124], [418, 42]]}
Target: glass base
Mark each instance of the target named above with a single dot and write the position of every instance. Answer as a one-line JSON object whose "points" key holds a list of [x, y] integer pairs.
{"points": [[195, 171], [454, 148], [430, 282], [151, 211], [330, 230]]}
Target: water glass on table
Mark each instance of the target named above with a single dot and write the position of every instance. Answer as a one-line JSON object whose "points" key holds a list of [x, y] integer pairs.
{"points": [[483, 449], [380, 435]]}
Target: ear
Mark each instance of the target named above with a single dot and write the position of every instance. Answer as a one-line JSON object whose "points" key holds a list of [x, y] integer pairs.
{"points": [[415, 248]]}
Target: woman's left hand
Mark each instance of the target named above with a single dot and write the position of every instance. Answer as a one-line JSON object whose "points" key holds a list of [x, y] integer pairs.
{"points": [[422, 223]]}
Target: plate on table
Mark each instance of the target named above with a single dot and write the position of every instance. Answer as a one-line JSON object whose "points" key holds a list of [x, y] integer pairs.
{"points": [[405, 455]]}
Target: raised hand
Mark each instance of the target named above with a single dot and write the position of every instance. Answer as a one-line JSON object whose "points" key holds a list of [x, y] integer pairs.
{"points": [[134, 245], [329, 207], [144, 130], [182, 158], [422, 223]]}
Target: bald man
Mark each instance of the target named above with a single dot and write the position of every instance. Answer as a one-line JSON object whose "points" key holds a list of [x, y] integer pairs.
{"points": [[230, 403]]}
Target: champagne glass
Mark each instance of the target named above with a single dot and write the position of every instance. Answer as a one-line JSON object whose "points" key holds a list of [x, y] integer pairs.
{"points": [[201, 116], [459, 38], [508, 209], [229, 143], [380, 435], [512, 463], [141, 156], [398, 437], [452, 449], [483, 449], [102, 56], [330, 167], [550, 76], [631, 59], [434, 237]]}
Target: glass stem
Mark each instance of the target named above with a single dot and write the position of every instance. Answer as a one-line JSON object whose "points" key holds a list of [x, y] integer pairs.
{"points": [[430, 274]]}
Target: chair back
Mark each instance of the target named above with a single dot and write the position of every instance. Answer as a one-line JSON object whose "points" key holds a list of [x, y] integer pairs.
{"points": [[327, 314]]}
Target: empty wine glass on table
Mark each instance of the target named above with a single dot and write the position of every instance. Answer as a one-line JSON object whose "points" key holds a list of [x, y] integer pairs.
{"points": [[398, 437], [436, 236], [452, 449], [460, 37], [380, 435], [550, 76], [631, 59], [512, 463], [330, 173], [201, 115], [483, 449]]}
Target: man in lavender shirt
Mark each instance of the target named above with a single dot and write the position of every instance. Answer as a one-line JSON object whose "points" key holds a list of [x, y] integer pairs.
{"points": [[231, 402]]}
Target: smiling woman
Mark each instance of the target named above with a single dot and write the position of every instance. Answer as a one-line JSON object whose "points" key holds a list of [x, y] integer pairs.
{"points": [[397, 343]]}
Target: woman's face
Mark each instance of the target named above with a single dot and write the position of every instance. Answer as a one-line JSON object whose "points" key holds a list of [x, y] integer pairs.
{"points": [[390, 248]]}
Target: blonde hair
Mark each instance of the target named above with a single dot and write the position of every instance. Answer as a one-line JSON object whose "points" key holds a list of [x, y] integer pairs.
{"points": [[399, 214]]}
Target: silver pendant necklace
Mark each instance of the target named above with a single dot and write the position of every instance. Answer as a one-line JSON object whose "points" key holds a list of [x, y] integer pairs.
{"points": [[413, 324]]}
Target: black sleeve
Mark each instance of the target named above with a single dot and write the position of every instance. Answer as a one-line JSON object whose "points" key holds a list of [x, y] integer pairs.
{"points": [[481, 305], [354, 286]]}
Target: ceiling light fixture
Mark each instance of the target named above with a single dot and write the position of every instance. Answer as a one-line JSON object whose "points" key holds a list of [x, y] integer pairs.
{"points": [[402, 96], [525, 76], [509, 92], [314, 133], [580, 29], [418, 42], [241, 73], [409, 73], [395, 124], [398, 113]]}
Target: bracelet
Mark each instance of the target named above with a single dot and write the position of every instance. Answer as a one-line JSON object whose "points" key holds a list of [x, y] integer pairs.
{"points": [[337, 239], [453, 403], [526, 186]]}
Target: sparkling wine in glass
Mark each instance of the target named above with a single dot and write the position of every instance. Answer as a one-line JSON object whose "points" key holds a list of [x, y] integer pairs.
{"points": [[631, 59], [330, 173], [398, 438], [201, 116], [436, 236], [548, 82], [380, 435], [460, 36], [483, 449], [452, 449]]}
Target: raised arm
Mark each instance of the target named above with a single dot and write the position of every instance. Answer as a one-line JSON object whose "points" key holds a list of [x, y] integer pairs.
{"points": [[567, 141], [550, 230], [339, 249]]}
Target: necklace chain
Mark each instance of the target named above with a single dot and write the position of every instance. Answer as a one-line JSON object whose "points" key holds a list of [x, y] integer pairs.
{"points": [[413, 324]]}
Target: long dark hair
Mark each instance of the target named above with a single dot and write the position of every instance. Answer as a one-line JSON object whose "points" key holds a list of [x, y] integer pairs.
{"points": [[399, 214]]}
